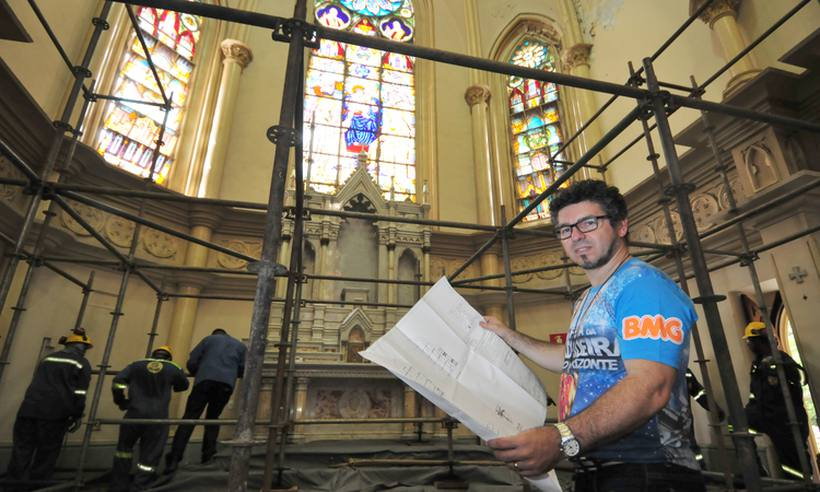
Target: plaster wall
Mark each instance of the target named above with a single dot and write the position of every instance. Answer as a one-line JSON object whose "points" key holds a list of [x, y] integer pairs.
{"points": [[539, 321], [38, 64]]}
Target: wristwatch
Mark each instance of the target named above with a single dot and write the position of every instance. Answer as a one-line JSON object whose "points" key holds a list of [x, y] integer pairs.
{"points": [[569, 444]]}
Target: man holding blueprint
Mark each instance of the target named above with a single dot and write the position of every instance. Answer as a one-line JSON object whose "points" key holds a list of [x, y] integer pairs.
{"points": [[623, 409]]}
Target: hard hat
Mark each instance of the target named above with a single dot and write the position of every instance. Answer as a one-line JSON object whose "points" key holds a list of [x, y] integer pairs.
{"points": [[77, 336], [754, 329], [166, 348]]}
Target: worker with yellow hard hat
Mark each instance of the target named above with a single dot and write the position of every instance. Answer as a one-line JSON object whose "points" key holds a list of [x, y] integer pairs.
{"points": [[53, 405], [766, 409], [143, 390]]}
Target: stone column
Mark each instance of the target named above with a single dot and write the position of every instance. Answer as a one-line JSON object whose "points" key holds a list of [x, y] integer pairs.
{"points": [[237, 56], [478, 97], [721, 17], [580, 103]]}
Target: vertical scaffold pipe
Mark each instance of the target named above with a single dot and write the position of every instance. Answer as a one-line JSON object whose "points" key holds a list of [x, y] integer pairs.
{"points": [[283, 383], [22, 297], [161, 298], [744, 444], [748, 262], [715, 426], [87, 290], [508, 282], [104, 365], [251, 382], [80, 73]]}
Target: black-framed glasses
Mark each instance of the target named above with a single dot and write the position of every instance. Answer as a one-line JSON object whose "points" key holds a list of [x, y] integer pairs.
{"points": [[586, 224]]}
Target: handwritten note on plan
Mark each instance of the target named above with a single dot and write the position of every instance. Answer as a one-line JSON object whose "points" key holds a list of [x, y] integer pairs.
{"points": [[440, 351]]}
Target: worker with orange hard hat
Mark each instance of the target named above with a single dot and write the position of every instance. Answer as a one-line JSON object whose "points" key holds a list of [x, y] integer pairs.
{"points": [[143, 390], [53, 405]]}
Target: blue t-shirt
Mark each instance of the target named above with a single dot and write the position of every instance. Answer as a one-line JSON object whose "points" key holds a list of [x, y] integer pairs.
{"points": [[639, 313]]}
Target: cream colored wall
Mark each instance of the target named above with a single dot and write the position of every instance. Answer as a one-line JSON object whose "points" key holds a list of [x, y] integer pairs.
{"points": [[457, 197], [540, 321], [640, 26], [51, 311], [38, 65], [492, 20]]}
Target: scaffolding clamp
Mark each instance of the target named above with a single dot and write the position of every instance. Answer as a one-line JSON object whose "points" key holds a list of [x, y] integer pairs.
{"points": [[687, 188], [98, 21], [283, 31], [260, 266], [277, 132], [747, 259], [712, 298], [290, 213], [80, 71]]}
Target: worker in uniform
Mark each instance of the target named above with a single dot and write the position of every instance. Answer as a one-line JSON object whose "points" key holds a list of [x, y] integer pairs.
{"points": [[766, 410], [53, 405], [216, 362], [143, 390]]}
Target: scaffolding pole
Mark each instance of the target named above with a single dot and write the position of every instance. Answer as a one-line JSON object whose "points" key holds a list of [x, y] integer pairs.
{"points": [[283, 135], [87, 290], [744, 444]]}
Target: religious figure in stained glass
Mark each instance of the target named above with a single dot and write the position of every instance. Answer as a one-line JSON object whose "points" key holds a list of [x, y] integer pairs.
{"points": [[361, 101], [535, 126], [130, 130]]}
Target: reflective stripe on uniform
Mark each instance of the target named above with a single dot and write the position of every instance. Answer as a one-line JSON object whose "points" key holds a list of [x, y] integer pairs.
{"points": [[700, 393], [64, 361], [120, 386], [126, 455], [79, 392], [145, 468], [699, 457], [791, 471]]}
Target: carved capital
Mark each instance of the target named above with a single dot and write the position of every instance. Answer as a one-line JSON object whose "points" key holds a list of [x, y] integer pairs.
{"points": [[576, 55], [716, 10], [237, 51], [204, 216], [476, 94]]}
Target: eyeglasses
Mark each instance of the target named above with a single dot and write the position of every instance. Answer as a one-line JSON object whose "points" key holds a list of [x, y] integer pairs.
{"points": [[586, 224]]}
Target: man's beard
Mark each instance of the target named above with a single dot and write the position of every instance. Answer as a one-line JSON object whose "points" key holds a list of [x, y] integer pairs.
{"points": [[603, 260]]}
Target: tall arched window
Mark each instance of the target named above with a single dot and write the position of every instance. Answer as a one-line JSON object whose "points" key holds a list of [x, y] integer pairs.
{"points": [[534, 126], [130, 130], [361, 100]]}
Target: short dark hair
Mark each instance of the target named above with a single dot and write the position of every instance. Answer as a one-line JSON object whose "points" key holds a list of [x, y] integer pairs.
{"points": [[608, 197], [219, 331]]}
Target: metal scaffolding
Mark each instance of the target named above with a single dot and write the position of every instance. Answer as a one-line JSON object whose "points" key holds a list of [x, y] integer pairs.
{"points": [[651, 103]]}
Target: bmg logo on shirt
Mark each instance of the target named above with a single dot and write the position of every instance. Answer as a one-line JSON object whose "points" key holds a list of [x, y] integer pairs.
{"points": [[653, 327]]}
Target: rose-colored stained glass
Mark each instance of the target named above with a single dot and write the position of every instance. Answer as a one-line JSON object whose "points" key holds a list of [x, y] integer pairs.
{"points": [[361, 101], [130, 130], [534, 126]]}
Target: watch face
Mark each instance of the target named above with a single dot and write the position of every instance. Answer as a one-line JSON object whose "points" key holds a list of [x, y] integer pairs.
{"points": [[571, 447]]}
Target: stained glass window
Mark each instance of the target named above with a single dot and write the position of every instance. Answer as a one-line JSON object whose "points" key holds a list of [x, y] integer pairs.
{"points": [[130, 129], [361, 101], [535, 127]]}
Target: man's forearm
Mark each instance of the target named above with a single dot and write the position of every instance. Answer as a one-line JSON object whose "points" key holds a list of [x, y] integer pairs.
{"points": [[550, 356], [625, 407]]}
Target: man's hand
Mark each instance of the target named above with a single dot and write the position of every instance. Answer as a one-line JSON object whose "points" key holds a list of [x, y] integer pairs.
{"points": [[532, 452], [495, 325]]}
